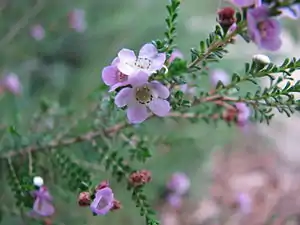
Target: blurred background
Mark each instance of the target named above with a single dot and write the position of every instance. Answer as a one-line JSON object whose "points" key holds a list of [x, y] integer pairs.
{"points": [[57, 50]]}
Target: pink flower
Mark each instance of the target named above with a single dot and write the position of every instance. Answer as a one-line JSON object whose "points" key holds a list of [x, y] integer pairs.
{"points": [[244, 113], [112, 77], [263, 30], [217, 75], [174, 200], [11, 83], [246, 3], [187, 90], [37, 32], [43, 203], [293, 13], [244, 202], [179, 183], [143, 97], [176, 54], [77, 20], [103, 202], [149, 60]]}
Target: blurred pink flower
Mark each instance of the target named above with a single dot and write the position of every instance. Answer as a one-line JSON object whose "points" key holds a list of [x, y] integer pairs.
{"points": [[217, 75], [185, 88], [11, 83], [293, 13], [176, 54], [244, 113], [179, 183], [77, 20], [246, 3], [174, 200], [37, 32], [244, 201], [43, 203]]}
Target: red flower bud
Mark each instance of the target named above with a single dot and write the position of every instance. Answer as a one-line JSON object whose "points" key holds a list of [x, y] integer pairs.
{"points": [[84, 199]]}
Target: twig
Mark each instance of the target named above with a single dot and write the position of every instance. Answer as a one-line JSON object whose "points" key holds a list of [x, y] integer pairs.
{"points": [[22, 22], [89, 136], [214, 46], [65, 142]]}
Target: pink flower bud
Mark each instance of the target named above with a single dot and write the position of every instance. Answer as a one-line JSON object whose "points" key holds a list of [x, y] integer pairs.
{"points": [[37, 32]]}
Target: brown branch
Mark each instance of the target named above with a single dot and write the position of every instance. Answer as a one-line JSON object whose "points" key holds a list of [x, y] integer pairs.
{"points": [[89, 136], [66, 142]]}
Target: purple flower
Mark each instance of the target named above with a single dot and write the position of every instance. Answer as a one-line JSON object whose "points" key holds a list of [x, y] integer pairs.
{"points": [[77, 20], [149, 60], [103, 202], [143, 97], [263, 30], [37, 32], [244, 113], [185, 88], [11, 83], [176, 54], [174, 200], [217, 75], [246, 3], [43, 203], [112, 77], [179, 183], [293, 13], [244, 201]]}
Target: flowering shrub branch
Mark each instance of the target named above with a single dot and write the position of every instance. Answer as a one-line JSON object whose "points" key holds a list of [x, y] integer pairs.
{"points": [[147, 85]]}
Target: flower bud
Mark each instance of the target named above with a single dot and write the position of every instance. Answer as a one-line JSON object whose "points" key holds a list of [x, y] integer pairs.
{"points": [[84, 199], [116, 205], [226, 17], [139, 178], [103, 184], [261, 61], [38, 181]]}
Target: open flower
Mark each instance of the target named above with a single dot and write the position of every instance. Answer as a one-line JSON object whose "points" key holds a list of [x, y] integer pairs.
{"points": [[179, 183], [112, 77], [77, 20], [244, 113], [217, 75], [43, 203], [263, 30], [103, 202], [11, 83], [148, 60], [143, 97]]}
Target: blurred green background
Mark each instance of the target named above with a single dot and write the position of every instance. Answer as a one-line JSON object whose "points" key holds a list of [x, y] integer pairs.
{"points": [[66, 67]]}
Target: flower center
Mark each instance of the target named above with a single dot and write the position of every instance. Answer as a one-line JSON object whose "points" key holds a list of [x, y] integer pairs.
{"points": [[143, 63], [263, 28], [143, 95], [121, 77], [102, 203]]}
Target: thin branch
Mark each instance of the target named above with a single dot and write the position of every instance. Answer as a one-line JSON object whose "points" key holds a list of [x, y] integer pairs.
{"points": [[22, 22]]}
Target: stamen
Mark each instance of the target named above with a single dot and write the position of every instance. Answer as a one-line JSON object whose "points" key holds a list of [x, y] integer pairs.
{"points": [[143, 63], [143, 95]]}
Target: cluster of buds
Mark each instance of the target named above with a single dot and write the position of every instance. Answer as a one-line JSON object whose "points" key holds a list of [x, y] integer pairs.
{"points": [[140, 178]]}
